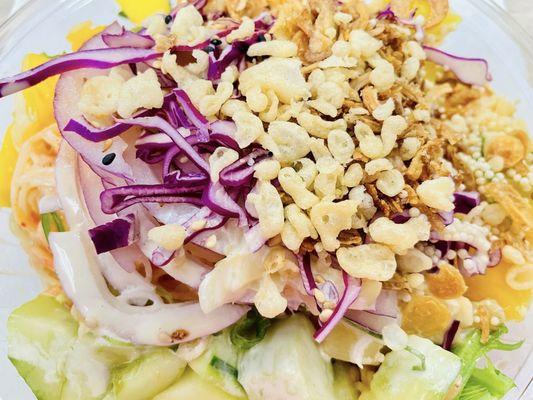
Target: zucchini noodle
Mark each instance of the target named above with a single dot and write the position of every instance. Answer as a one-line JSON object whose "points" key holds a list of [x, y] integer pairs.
{"points": [[34, 177]]}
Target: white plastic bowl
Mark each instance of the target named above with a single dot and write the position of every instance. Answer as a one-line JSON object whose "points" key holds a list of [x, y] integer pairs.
{"points": [[41, 26]]}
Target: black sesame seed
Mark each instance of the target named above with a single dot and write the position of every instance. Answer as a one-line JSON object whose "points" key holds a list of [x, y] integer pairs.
{"points": [[216, 42], [261, 38], [208, 49], [270, 154], [168, 19], [108, 158]]}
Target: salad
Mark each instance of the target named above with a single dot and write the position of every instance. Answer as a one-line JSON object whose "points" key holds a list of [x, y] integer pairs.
{"points": [[267, 200]]}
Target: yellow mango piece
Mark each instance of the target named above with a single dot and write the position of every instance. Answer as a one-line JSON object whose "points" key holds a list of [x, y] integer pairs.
{"points": [[8, 160], [492, 286], [137, 11], [38, 99], [439, 32], [83, 32]]}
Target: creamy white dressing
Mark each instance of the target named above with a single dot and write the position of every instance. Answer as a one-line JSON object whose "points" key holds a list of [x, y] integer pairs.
{"points": [[76, 265], [77, 216], [80, 270]]}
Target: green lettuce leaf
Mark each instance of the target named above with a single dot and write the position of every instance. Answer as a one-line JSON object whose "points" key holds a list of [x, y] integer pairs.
{"points": [[482, 383]]}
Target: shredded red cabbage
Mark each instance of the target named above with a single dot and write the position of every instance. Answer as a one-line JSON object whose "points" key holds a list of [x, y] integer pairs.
{"points": [[352, 287], [114, 235], [466, 201], [117, 199], [163, 126], [240, 173], [98, 59], [449, 336], [128, 39]]}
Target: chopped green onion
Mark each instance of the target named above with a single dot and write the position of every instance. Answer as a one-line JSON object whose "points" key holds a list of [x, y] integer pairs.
{"points": [[223, 366], [249, 331], [52, 222], [415, 352]]}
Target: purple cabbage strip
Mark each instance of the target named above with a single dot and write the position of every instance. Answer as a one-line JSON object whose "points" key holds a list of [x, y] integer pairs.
{"points": [[217, 199], [177, 179], [128, 39], [352, 287], [466, 201], [113, 235], [241, 171], [449, 336], [117, 199], [163, 126], [89, 132], [99, 59], [196, 118]]}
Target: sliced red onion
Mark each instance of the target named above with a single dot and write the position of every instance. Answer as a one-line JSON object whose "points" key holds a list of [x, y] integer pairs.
{"points": [[386, 304], [386, 14], [241, 171], [449, 336], [163, 126], [66, 108], [117, 199], [308, 280], [161, 257], [255, 239], [352, 287], [97, 59], [371, 322], [114, 235], [128, 39], [217, 199], [472, 71], [466, 201], [495, 257]]}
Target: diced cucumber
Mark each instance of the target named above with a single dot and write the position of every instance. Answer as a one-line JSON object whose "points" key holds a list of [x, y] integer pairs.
{"points": [[346, 376], [422, 371], [147, 376], [191, 387], [40, 336], [287, 364], [218, 365]]}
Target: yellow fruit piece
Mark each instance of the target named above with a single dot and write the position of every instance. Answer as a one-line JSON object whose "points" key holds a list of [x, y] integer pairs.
{"points": [[39, 99], [137, 11], [83, 32], [448, 24], [344, 338], [447, 283], [8, 160], [425, 316], [492, 285]]}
